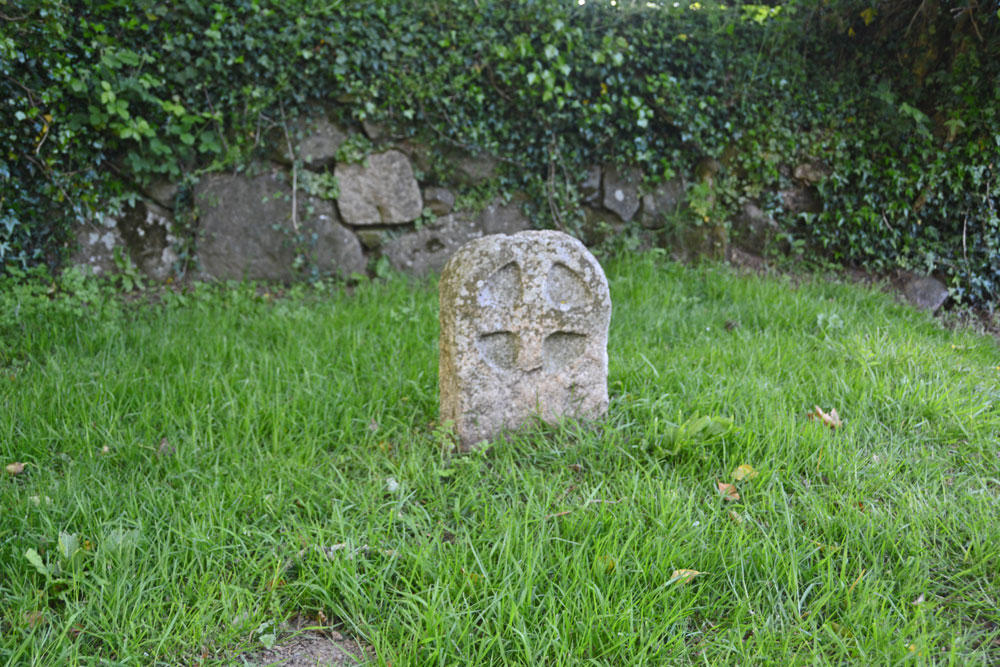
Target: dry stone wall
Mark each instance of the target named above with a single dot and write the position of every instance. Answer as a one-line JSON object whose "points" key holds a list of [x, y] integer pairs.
{"points": [[302, 210], [310, 206]]}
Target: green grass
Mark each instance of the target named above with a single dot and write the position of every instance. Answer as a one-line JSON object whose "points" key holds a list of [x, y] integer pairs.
{"points": [[878, 543]]}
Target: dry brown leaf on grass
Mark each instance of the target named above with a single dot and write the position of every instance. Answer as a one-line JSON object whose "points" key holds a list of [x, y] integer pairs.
{"points": [[728, 491], [15, 468], [685, 576], [165, 449], [831, 419], [745, 471]]}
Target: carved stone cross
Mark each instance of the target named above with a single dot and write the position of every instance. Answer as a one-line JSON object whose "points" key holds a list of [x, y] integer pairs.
{"points": [[524, 332]]}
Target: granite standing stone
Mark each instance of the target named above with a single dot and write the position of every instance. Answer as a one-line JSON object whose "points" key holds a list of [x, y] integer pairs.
{"points": [[524, 332]]}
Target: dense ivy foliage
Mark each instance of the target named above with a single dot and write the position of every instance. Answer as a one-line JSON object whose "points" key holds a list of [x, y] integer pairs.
{"points": [[897, 99]]}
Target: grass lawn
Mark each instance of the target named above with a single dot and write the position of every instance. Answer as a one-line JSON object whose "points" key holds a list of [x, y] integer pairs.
{"points": [[199, 471]]}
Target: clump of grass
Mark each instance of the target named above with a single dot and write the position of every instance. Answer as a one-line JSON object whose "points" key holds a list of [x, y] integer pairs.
{"points": [[198, 471]]}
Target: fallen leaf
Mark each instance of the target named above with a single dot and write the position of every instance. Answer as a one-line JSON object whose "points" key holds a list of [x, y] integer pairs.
{"points": [[728, 491], [732, 325], [735, 516], [15, 468], [373, 425], [685, 576], [575, 467], [841, 630], [473, 577], [745, 471], [165, 449], [919, 600], [607, 563], [34, 618], [831, 419]]}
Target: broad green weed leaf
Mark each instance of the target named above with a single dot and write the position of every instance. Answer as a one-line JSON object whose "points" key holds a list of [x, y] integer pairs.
{"points": [[37, 562]]}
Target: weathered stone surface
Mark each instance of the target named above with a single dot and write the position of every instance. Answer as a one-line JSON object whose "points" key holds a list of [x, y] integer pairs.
{"points": [[657, 206], [428, 249], [147, 231], [621, 191], [705, 241], [383, 192], [96, 243], [811, 173], [599, 225], [162, 191], [337, 250], [314, 138], [754, 230], [245, 226], [503, 218], [924, 292], [245, 230], [439, 200], [524, 332], [473, 168], [142, 234], [421, 155], [800, 199], [371, 239], [590, 187], [374, 131]]}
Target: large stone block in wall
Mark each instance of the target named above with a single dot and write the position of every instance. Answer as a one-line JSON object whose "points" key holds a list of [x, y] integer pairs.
{"points": [[524, 332], [246, 231], [147, 231], [95, 246], [621, 191], [334, 249], [381, 191], [142, 234]]}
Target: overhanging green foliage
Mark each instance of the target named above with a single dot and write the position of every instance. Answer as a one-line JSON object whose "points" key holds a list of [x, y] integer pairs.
{"points": [[897, 98]]}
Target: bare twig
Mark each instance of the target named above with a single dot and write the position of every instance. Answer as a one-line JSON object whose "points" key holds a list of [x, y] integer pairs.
{"points": [[915, 15], [13, 18], [48, 172], [965, 250], [31, 96], [295, 170], [45, 135], [493, 83]]}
